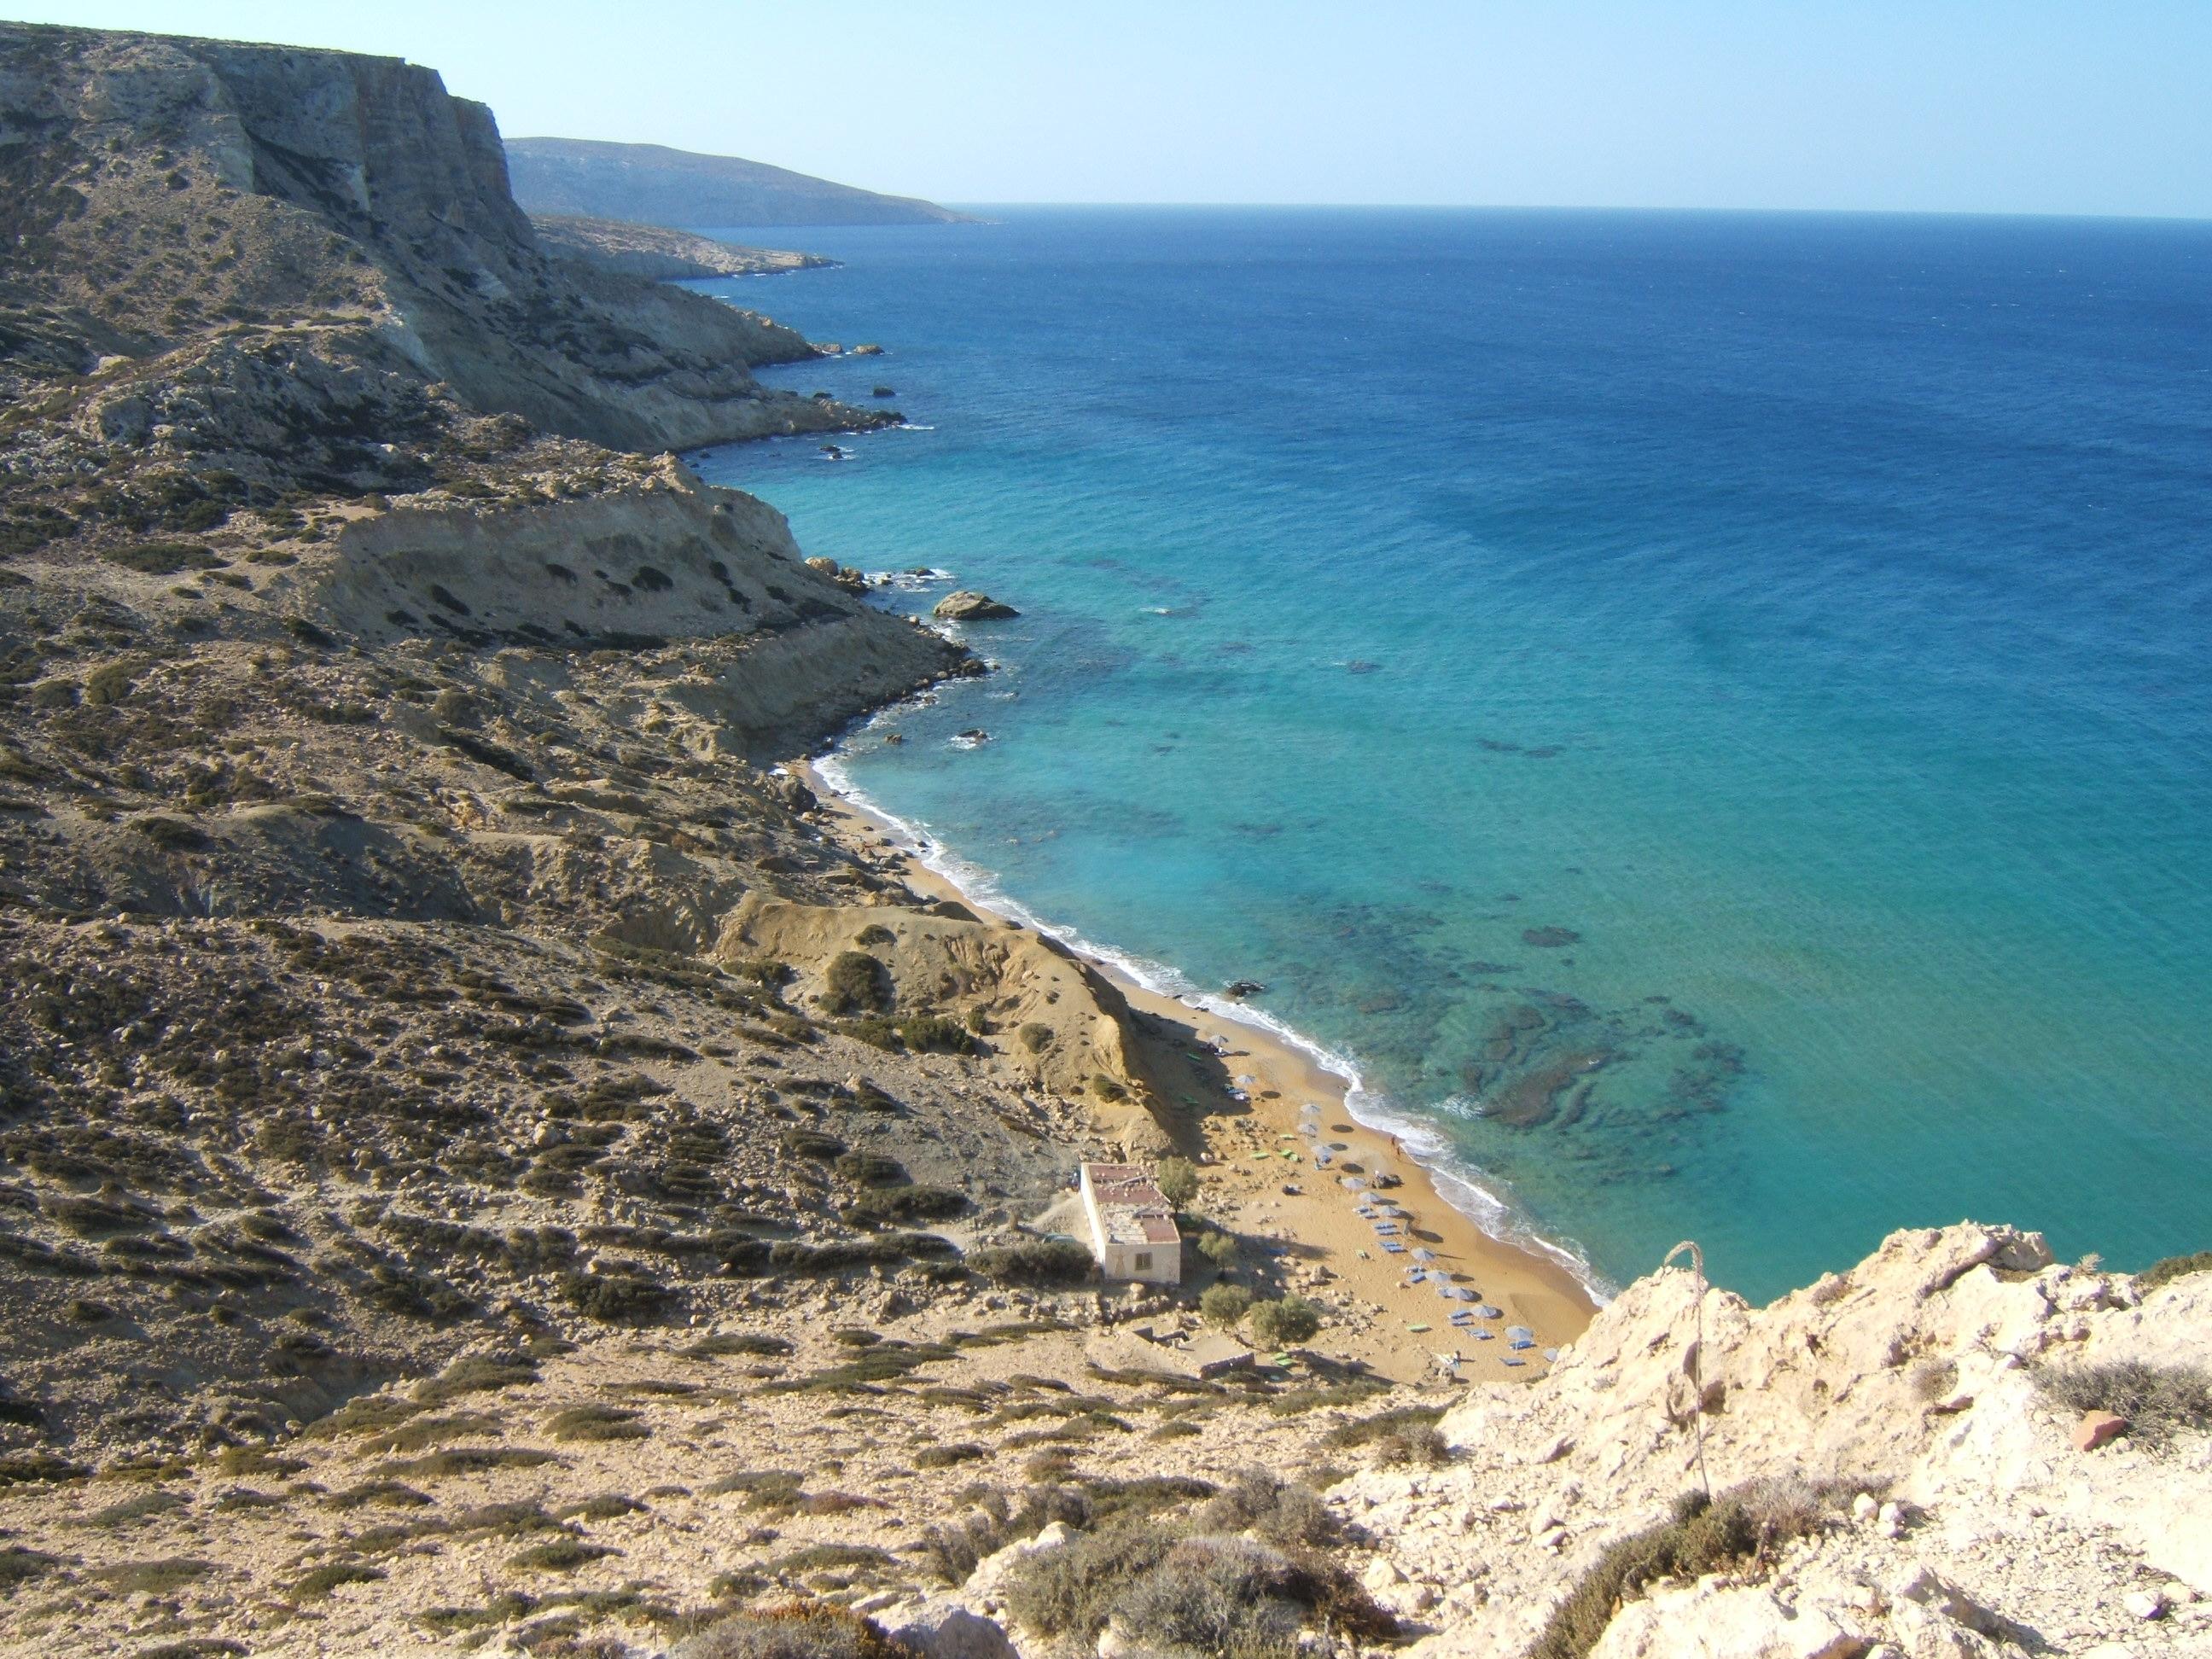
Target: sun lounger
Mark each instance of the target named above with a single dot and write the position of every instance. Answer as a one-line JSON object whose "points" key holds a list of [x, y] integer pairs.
{"points": [[1391, 1247], [1481, 1335], [1510, 1359]]}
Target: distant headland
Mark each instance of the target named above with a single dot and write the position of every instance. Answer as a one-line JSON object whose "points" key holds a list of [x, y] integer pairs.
{"points": [[654, 185]]}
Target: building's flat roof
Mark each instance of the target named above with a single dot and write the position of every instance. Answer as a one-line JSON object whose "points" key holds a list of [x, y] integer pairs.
{"points": [[1130, 1207]]}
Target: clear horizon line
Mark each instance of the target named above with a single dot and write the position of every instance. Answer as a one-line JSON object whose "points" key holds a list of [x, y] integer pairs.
{"points": [[967, 205]]}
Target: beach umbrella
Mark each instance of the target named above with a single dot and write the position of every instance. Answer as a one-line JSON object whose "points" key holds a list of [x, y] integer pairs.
{"points": [[1354, 1182], [1486, 1311], [1424, 1254]]}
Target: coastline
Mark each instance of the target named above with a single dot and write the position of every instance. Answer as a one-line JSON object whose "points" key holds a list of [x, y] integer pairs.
{"points": [[1307, 1233]]}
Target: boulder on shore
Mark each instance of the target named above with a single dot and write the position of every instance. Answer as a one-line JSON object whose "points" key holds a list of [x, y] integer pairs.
{"points": [[967, 605]]}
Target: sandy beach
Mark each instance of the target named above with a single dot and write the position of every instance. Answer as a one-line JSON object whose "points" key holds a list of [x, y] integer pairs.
{"points": [[1301, 1223]]}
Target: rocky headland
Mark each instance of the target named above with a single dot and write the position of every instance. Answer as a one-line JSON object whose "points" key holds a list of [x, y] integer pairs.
{"points": [[658, 253], [490, 1162], [663, 187]]}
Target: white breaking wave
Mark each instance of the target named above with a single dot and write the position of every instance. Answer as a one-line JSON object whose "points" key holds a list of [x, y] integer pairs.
{"points": [[1482, 1198], [907, 581]]}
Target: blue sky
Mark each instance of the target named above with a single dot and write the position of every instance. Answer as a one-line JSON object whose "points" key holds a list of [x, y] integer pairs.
{"points": [[2006, 106]]}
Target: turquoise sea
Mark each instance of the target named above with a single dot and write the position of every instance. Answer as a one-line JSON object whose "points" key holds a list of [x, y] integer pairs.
{"points": [[1710, 714]]}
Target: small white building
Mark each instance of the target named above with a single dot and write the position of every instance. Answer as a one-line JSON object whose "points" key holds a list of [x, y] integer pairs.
{"points": [[1132, 1229]]}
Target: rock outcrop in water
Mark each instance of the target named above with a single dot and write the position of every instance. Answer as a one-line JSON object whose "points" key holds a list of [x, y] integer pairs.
{"points": [[969, 606]]}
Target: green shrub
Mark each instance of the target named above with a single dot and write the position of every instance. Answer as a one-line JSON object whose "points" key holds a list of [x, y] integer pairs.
{"points": [[615, 1296], [803, 1630], [885, 1204], [944, 1457], [22, 1469], [162, 558], [2172, 1267], [1701, 1537], [934, 1033], [1072, 1590], [110, 683], [1224, 1304], [558, 1555], [876, 1033], [1281, 1512], [856, 983], [812, 1143], [471, 1374], [319, 1582], [596, 1422], [1219, 1248], [153, 1577], [19, 1565], [871, 1170], [1293, 1319], [751, 1343], [1040, 1261], [1177, 1179], [1035, 1036], [1406, 1434]]}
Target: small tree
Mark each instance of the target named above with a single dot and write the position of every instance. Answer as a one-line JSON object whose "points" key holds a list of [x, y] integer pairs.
{"points": [[1220, 1248], [1293, 1319], [1177, 1181], [1224, 1304]]}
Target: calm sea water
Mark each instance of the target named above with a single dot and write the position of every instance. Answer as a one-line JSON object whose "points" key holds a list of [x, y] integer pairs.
{"points": [[1711, 714]]}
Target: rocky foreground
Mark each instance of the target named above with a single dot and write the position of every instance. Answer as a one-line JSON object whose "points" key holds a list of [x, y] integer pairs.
{"points": [[484, 1168]]}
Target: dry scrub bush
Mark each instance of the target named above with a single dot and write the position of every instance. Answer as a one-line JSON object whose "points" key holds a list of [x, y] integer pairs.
{"points": [[2156, 1399], [1743, 1525], [803, 1630], [2172, 1267], [1404, 1435]]}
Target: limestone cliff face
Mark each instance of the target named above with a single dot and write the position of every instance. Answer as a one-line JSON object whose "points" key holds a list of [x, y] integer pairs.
{"points": [[155, 189], [1911, 1377], [661, 558]]}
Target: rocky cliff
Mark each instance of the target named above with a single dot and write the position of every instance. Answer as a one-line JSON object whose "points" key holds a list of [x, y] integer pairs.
{"points": [[160, 192], [1915, 1423]]}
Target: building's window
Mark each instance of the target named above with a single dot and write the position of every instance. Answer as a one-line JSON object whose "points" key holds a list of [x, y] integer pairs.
{"points": [[1144, 1262]]}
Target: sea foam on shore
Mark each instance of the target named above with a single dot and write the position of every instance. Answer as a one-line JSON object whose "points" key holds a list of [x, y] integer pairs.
{"points": [[1488, 1203]]}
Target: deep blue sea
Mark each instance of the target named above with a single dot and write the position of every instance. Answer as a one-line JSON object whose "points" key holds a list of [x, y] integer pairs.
{"points": [[1711, 714]]}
